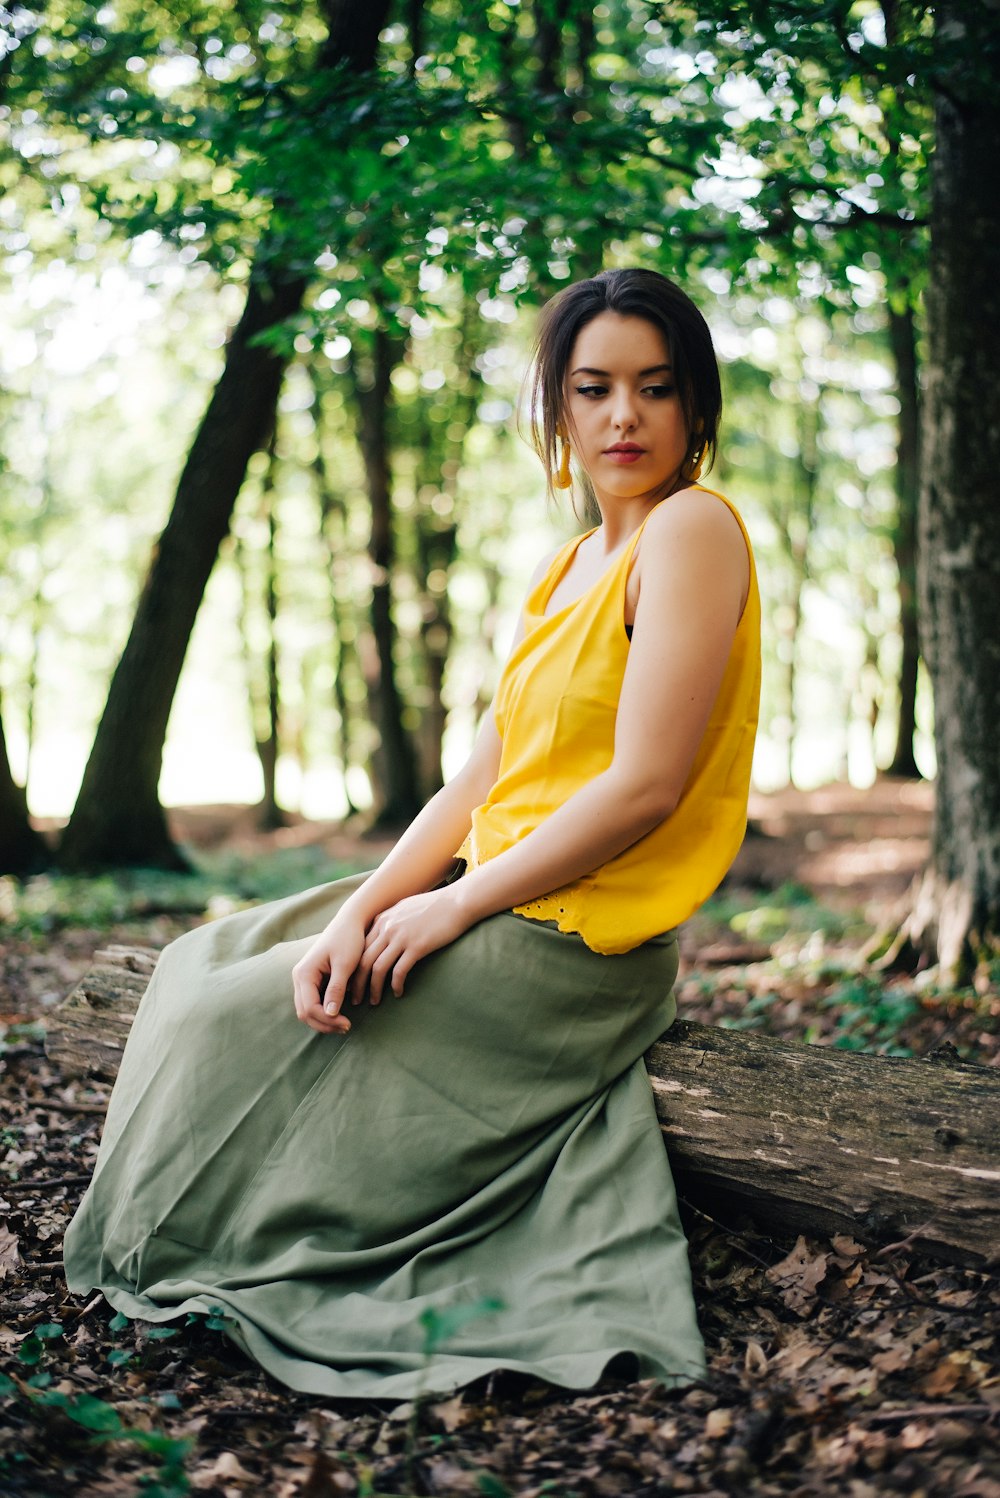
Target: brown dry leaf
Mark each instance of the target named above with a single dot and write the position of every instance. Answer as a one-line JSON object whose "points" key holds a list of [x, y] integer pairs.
{"points": [[226, 1467], [327, 1479], [718, 1424], [959, 1369], [846, 1245], [959, 1298], [755, 1358], [452, 1413], [893, 1358], [9, 1256], [797, 1276], [798, 1350], [841, 1288], [915, 1435], [447, 1477]]}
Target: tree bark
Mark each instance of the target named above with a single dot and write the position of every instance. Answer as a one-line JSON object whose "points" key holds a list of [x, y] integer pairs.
{"points": [[263, 678], [272, 814], [955, 915], [398, 778], [22, 849], [333, 527], [902, 336], [795, 1137], [118, 819]]}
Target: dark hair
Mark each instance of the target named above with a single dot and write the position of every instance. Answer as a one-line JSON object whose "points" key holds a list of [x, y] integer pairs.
{"points": [[630, 293]]}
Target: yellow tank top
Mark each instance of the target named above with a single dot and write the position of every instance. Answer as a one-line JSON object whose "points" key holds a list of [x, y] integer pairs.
{"points": [[555, 710]]}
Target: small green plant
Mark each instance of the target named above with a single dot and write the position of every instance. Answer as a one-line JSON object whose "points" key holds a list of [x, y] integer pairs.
{"points": [[215, 1321], [218, 882], [30, 1032], [102, 1422], [438, 1328], [32, 1348], [869, 1016]]}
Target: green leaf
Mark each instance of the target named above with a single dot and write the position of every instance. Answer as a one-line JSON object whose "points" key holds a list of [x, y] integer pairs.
{"points": [[161, 1333], [173, 1450], [94, 1414], [49, 1331], [491, 1486], [7, 1386], [439, 1326], [119, 1356], [118, 1322], [31, 1349]]}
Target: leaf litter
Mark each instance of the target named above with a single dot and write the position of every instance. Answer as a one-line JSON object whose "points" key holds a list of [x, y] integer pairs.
{"points": [[834, 1368]]}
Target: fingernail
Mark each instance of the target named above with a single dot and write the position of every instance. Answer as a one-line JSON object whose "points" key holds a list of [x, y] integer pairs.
{"points": [[331, 1008]]}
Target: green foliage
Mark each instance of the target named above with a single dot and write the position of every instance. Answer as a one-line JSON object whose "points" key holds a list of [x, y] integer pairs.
{"points": [[770, 915], [99, 1419], [224, 882], [30, 1031], [869, 1016], [749, 150], [440, 1326], [491, 1486]]}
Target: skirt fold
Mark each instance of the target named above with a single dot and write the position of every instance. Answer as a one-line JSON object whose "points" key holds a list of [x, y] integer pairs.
{"points": [[488, 1138]]}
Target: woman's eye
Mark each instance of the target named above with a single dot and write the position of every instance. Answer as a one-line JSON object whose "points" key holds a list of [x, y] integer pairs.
{"points": [[591, 391], [660, 392]]}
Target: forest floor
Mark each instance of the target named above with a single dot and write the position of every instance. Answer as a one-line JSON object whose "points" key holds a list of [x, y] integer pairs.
{"points": [[833, 1368]]}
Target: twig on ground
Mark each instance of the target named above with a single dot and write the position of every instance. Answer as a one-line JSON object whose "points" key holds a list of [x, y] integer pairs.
{"points": [[29, 1186], [922, 1411], [98, 1108]]}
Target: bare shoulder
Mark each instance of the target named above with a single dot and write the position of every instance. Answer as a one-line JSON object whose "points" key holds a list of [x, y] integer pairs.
{"points": [[699, 518], [696, 541]]}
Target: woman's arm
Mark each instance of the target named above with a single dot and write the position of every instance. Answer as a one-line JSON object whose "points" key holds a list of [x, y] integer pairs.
{"points": [[694, 573], [695, 570], [419, 860]]}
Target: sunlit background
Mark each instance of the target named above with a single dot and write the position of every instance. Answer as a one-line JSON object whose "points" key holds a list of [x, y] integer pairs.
{"points": [[106, 364]]}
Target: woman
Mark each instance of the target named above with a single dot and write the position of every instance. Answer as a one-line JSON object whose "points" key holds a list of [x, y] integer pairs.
{"points": [[338, 1188]]}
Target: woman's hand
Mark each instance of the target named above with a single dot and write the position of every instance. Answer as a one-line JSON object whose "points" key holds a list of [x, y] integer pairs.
{"points": [[321, 977], [401, 935]]}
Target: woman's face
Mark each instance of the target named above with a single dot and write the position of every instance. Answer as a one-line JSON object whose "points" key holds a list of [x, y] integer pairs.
{"points": [[623, 410]]}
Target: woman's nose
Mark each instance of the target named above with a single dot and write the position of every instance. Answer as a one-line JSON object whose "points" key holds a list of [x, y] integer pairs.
{"points": [[624, 410]]}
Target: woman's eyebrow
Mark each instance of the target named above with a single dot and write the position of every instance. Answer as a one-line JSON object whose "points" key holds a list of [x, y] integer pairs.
{"points": [[653, 369]]}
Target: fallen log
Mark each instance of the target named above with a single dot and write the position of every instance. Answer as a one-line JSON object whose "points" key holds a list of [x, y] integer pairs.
{"points": [[795, 1138]]}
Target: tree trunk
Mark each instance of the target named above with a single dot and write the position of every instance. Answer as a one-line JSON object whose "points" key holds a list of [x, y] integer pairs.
{"points": [[796, 1137], [955, 915], [263, 696], [400, 789], [333, 526], [22, 849], [795, 527], [904, 348], [118, 818]]}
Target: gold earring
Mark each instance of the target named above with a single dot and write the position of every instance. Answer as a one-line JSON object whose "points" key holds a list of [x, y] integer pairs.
{"points": [[691, 469], [563, 478]]}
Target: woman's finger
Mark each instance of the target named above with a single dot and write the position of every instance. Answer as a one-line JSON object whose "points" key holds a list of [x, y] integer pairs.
{"points": [[307, 980], [380, 969], [359, 981], [335, 996], [400, 971]]}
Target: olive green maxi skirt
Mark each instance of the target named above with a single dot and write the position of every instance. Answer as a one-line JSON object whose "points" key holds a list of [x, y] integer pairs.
{"points": [[488, 1136]]}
